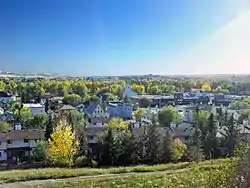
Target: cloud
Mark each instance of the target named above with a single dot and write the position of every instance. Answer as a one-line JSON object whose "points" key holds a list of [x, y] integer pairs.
{"points": [[227, 50]]}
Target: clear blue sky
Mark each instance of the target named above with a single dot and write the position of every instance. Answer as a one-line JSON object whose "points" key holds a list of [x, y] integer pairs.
{"points": [[106, 37]]}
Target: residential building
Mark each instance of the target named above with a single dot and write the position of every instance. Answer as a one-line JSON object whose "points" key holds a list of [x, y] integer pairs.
{"points": [[6, 97], [35, 109], [128, 92], [96, 114], [18, 143], [147, 118], [120, 109], [183, 131]]}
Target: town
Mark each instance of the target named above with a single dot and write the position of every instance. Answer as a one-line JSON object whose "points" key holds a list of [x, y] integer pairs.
{"points": [[32, 108]]}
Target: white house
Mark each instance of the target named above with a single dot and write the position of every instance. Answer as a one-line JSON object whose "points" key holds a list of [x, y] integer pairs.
{"points": [[18, 143], [6, 97], [96, 114], [147, 118], [128, 92], [35, 109]]}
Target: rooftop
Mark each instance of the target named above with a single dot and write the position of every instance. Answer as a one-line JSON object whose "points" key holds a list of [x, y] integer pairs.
{"points": [[21, 134], [32, 105]]}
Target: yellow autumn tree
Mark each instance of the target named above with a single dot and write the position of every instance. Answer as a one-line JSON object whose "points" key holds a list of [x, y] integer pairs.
{"points": [[206, 87], [117, 123], [63, 144]]}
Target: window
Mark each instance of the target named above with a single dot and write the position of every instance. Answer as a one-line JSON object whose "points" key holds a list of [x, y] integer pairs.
{"points": [[0, 154], [0, 143], [25, 140], [9, 142]]}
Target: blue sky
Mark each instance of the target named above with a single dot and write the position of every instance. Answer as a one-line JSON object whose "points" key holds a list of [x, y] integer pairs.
{"points": [[97, 37]]}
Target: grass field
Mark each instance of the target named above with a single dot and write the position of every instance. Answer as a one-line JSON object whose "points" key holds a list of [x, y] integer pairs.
{"points": [[191, 178], [56, 173]]}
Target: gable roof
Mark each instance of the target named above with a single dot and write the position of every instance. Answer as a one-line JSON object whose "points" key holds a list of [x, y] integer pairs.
{"points": [[91, 107], [21, 134], [67, 107]]}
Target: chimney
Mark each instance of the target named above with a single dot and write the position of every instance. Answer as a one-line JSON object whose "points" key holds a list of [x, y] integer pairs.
{"points": [[18, 127]]}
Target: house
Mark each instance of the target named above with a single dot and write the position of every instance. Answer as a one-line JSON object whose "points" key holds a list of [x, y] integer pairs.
{"points": [[18, 143], [6, 97], [183, 131], [128, 92], [35, 109], [147, 118], [95, 113], [120, 109]]}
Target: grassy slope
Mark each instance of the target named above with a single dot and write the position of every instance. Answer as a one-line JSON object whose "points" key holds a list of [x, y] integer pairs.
{"points": [[55, 173], [193, 177]]}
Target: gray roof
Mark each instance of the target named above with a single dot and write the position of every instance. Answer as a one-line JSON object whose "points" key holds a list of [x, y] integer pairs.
{"points": [[67, 107], [91, 107]]}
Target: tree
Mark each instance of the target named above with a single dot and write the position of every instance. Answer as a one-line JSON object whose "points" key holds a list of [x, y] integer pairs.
{"points": [[167, 115], [40, 152], [39, 121], [206, 87], [63, 144], [231, 134], [46, 106], [49, 128], [4, 126], [139, 112], [178, 150], [117, 123], [210, 144], [2, 85], [107, 143], [145, 102], [153, 144], [244, 114], [166, 147], [72, 99]]}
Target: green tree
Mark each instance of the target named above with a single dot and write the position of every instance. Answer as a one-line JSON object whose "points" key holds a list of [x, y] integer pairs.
{"points": [[139, 112], [2, 85], [4, 126], [49, 128], [231, 134], [40, 152], [72, 99], [178, 150], [145, 102], [167, 115], [210, 144], [166, 147]]}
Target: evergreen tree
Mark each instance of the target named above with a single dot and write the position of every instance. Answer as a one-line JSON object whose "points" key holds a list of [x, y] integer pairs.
{"points": [[166, 148], [106, 154], [197, 142], [46, 106], [210, 142], [231, 135], [49, 128]]}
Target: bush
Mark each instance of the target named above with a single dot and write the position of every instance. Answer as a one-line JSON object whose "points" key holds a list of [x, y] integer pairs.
{"points": [[83, 161]]}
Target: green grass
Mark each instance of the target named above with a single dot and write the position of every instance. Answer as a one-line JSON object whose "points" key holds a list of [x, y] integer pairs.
{"points": [[185, 179], [56, 173]]}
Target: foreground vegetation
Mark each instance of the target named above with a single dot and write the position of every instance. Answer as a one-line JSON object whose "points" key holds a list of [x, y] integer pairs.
{"points": [[56, 173], [198, 176]]}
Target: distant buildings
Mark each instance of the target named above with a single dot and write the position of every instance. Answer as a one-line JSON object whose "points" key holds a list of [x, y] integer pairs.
{"points": [[128, 92], [6, 97], [119, 109], [18, 143], [35, 109]]}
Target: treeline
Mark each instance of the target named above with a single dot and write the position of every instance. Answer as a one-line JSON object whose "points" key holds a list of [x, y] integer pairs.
{"points": [[34, 89]]}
